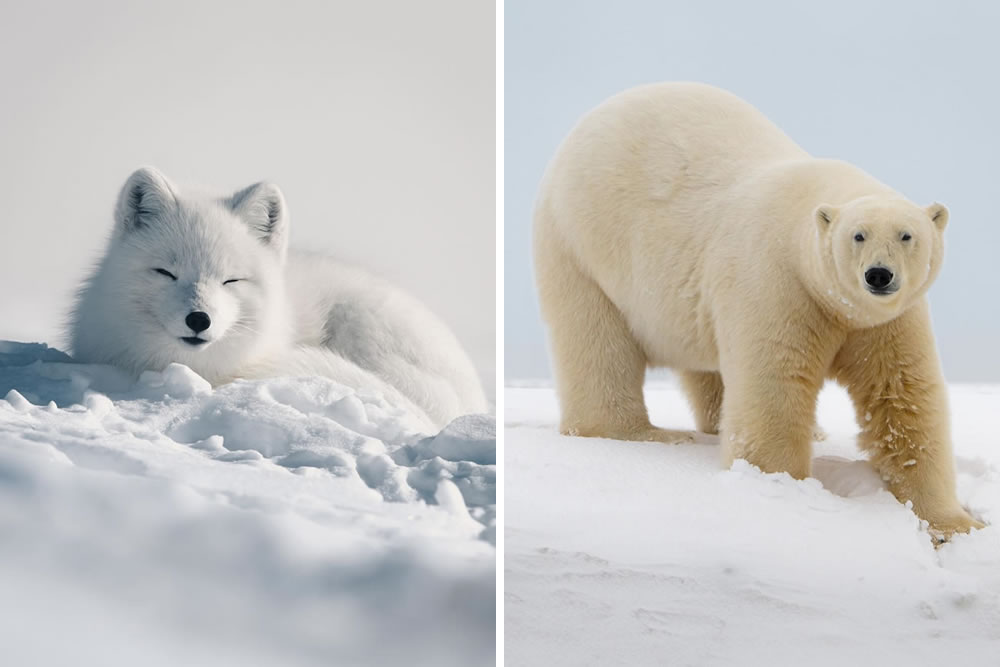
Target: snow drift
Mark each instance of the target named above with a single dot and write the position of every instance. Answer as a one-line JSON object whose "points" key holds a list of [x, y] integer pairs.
{"points": [[623, 553], [281, 521]]}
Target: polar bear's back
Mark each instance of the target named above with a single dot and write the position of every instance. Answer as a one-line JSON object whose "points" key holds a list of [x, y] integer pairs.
{"points": [[695, 119], [660, 140], [662, 155]]}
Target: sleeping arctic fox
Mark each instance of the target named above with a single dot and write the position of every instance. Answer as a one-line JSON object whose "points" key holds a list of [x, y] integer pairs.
{"points": [[209, 283]]}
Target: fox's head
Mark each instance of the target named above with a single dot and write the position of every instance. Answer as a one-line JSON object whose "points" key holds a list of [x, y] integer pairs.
{"points": [[194, 280]]}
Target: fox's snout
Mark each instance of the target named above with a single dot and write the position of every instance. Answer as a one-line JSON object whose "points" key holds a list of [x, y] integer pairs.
{"points": [[198, 321]]}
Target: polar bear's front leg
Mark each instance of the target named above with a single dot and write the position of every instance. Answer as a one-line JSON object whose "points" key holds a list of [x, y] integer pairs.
{"points": [[893, 375], [773, 372], [768, 417]]}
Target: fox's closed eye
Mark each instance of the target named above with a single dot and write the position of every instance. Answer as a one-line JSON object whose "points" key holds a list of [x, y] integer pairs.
{"points": [[232, 280], [164, 272]]}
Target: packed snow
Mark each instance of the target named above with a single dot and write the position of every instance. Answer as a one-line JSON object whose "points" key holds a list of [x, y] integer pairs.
{"points": [[288, 521], [624, 553]]}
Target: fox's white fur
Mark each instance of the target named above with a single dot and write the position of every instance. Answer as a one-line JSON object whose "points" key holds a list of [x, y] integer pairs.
{"points": [[271, 311]]}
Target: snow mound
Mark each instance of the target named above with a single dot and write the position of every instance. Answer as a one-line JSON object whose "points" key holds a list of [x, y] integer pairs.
{"points": [[284, 521], [652, 554]]}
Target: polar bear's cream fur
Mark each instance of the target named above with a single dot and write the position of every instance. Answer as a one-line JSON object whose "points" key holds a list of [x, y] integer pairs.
{"points": [[678, 227]]}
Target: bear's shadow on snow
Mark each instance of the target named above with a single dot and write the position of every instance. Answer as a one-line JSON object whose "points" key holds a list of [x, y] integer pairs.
{"points": [[840, 476]]}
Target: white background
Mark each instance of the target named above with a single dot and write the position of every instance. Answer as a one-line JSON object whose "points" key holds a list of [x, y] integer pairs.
{"points": [[376, 119]]}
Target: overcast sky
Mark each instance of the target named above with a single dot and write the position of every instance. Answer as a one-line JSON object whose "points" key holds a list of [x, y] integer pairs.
{"points": [[376, 119], [908, 91]]}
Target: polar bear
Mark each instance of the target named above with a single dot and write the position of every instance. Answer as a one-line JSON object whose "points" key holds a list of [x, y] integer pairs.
{"points": [[677, 227]]}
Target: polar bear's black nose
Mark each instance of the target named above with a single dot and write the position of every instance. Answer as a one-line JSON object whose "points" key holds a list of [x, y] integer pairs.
{"points": [[198, 321], [877, 277]]}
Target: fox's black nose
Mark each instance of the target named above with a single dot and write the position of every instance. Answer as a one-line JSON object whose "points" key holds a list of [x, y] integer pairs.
{"points": [[198, 321], [877, 277]]}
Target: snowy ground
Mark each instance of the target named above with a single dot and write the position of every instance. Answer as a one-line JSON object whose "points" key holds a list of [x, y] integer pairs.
{"points": [[648, 554], [278, 522]]}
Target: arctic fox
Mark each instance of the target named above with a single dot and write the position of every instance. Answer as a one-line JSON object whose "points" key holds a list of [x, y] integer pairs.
{"points": [[210, 283]]}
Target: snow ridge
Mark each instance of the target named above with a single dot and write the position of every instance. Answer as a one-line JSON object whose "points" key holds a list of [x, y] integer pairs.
{"points": [[282, 521]]}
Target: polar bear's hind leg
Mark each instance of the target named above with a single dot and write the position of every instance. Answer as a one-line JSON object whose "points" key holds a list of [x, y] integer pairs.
{"points": [[600, 367], [704, 392]]}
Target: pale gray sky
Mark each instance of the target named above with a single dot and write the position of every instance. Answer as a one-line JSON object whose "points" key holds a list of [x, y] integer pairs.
{"points": [[377, 119], [909, 91]]}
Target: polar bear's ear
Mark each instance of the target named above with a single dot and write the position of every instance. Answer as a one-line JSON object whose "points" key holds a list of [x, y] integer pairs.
{"points": [[825, 215], [938, 215], [145, 196], [262, 207]]}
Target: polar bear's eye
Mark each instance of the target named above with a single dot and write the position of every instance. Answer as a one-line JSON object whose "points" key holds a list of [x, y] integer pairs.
{"points": [[859, 237], [905, 237], [164, 272]]}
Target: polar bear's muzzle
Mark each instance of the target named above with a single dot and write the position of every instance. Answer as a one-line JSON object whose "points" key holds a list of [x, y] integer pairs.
{"points": [[879, 280]]}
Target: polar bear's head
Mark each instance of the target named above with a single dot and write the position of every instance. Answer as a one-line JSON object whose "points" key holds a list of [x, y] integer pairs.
{"points": [[885, 253]]}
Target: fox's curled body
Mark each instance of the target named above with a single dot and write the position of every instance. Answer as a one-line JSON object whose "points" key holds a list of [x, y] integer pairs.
{"points": [[175, 263]]}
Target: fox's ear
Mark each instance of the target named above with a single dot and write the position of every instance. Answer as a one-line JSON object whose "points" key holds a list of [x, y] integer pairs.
{"points": [[146, 194], [263, 208]]}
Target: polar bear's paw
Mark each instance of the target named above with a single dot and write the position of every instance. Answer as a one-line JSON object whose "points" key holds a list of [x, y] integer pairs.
{"points": [[942, 528], [668, 436], [640, 434]]}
